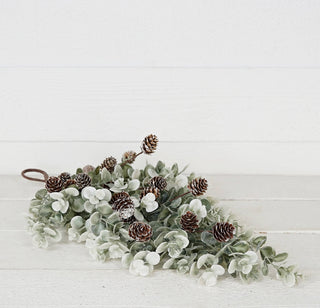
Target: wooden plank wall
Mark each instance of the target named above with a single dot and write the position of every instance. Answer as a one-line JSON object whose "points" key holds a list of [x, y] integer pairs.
{"points": [[229, 87]]}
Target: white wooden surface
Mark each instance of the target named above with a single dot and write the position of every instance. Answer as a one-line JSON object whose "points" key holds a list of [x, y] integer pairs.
{"points": [[238, 81], [160, 33], [231, 87], [285, 207]]}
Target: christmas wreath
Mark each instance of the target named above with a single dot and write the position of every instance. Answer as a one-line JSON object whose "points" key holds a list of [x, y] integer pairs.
{"points": [[156, 216]]}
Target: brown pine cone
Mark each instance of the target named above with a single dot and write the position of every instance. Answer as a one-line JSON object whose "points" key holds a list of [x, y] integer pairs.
{"points": [[120, 195], [68, 183], [158, 182], [223, 231], [109, 163], [82, 180], [64, 176], [149, 144], [189, 222], [129, 220], [87, 168], [126, 213], [198, 186], [140, 231], [129, 157], [150, 189], [119, 203], [54, 184], [125, 207]]}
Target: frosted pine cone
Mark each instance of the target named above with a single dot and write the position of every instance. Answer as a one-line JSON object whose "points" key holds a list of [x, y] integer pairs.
{"points": [[223, 231], [124, 207], [149, 144], [140, 231], [82, 180], [129, 157], [189, 222], [54, 184], [158, 182], [120, 195], [130, 220], [109, 163], [68, 183], [126, 213], [198, 186], [65, 176], [88, 168], [150, 189], [122, 203]]}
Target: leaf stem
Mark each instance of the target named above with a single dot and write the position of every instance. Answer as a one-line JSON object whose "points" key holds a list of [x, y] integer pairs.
{"points": [[188, 192]]}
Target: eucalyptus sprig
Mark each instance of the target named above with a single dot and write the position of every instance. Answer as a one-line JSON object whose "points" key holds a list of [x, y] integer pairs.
{"points": [[151, 217]]}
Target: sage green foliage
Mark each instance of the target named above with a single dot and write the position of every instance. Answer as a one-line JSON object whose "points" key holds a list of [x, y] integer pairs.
{"points": [[88, 217]]}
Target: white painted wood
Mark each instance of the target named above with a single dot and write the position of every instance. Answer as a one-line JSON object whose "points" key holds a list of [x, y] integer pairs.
{"points": [[221, 187], [19, 253], [160, 33], [164, 289], [225, 105], [260, 215], [85, 286], [203, 158]]}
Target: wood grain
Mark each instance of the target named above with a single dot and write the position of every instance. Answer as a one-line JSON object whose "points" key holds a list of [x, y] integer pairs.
{"points": [[180, 105], [160, 33], [203, 158], [99, 286]]}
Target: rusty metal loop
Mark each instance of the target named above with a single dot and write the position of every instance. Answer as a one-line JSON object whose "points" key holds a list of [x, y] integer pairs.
{"points": [[45, 174]]}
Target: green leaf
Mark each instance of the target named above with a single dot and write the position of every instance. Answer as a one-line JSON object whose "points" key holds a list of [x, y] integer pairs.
{"points": [[77, 205], [267, 252], [79, 170], [259, 241], [105, 175], [280, 257], [240, 247], [175, 169], [265, 269], [207, 238], [164, 213], [175, 203], [40, 194], [96, 229], [95, 218], [160, 165]]}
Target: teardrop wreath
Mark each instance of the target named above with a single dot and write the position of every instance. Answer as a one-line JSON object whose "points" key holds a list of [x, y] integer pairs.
{"points": [[156, 216]]}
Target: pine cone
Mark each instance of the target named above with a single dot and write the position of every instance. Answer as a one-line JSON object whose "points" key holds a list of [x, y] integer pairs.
{"points": [[68, 183], [198, 186], [120, 195], [82, 180], [87, 168], [65, 176], [140, 231], [150, 189], [189, 222], [149, 144], [158, 182], [223, 231], [54, 184], [109, 163], [126, 213], [120, 203], [129, 157], [130, 220]]}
